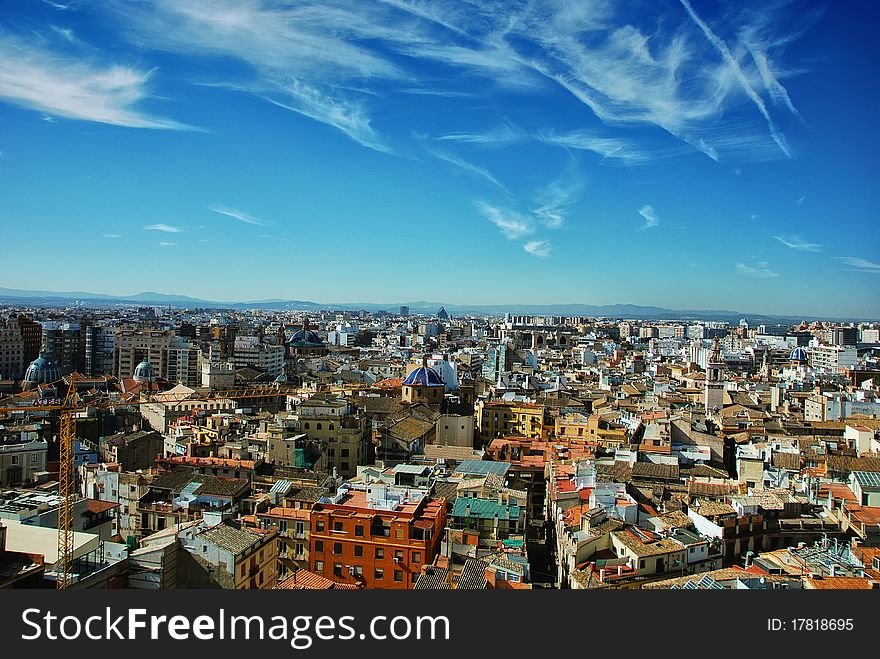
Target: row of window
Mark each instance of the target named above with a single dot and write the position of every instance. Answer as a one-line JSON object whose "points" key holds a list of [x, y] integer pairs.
{"points": [[357, 570], [383, 530], [35, 458], [318, 426], [379, 552]]}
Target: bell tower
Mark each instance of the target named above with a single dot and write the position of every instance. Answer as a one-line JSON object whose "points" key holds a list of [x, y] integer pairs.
{"points": [[713, 397]]}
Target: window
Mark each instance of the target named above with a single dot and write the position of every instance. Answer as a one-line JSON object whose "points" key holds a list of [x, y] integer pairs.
{"points": [[319, 427], [319, 566], [399, 534], [306, 426], [337, 548], [282, 526], [337, 526], [319, 545], [34, 458], [379, 574], [344, 466], [330, 426], [337, 569], [359, 531], [398, 576], [14, 460], [319, 526], [417, 557], [642, 564], [359, 550], [344, 453], [380, 552], [398, 554]]}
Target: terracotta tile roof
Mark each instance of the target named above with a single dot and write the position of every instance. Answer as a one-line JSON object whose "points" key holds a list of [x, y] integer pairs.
{"points": [[838, 583], [96, 507]]}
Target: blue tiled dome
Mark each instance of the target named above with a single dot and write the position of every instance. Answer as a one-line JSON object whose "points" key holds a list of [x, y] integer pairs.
{"points": [[143, 372], [799, 355], [41, 371], [424, 377], [304, 337]]}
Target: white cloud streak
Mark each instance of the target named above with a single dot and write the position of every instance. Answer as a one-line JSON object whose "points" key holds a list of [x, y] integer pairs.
{"points": [[238, 215], [38, 79], [555, 200], [513, 225], [760, 270], [650, 216], [164, 228], [795, 242], [858, 264], [465, 166], [737, 71], [539, 248]]}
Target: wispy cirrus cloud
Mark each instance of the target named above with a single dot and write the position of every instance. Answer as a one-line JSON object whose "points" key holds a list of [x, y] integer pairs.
{"points": [[303, 56], [501, 133], [236, 214], [759, 270], [164, 228], [111, 235], [556, 199], [650, 215], [164, 244], [467, 167], [795, 242], [512, 225], [36, 78], [625, 151], [738, 74], [859, 264], [331, 61], [539, 248]]}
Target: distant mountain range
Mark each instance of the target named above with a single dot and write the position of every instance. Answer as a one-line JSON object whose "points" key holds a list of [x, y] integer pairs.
{"points": [[630, 311]]}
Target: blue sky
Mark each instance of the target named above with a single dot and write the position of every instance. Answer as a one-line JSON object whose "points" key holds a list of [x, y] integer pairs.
{"points": [[687, 154]]}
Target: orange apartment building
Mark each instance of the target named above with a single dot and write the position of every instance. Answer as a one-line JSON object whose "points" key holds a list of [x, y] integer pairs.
{"points": [[378, 536]]}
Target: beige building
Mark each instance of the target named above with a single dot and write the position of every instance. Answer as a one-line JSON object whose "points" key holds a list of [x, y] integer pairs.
{"points": [[455, 430], [338, 428], [134, 345]]}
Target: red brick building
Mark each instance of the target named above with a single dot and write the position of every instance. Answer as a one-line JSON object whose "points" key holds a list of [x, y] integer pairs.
{"points": [[377, 537]]}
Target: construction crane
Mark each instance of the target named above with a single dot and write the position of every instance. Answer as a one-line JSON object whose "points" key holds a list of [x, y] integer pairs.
{"points": [[67, 410]]}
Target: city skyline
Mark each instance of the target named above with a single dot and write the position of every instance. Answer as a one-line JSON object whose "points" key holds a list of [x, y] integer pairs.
{"points": [[689, 157]]}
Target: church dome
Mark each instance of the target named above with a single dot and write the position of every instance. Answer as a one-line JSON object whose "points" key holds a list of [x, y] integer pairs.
{"points": [[304, 337], [424, 377], [143, 372], [42, 371], [799, 355]]}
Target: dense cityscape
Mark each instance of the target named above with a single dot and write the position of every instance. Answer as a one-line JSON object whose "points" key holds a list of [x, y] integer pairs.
{"points": [[389, 449]]}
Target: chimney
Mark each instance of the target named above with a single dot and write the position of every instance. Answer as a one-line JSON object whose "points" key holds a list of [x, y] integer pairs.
{"points": [[619, 570], [602, 574]]}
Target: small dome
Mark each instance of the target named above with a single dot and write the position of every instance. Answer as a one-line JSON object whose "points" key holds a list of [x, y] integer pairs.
{"points": [[143, 372], [799, 355], [281, 378], [42, 371], [304, 337], [424, 377]]}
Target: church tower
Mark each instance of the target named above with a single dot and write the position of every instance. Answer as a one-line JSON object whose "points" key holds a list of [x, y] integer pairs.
{"points": [[714, 392]]}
